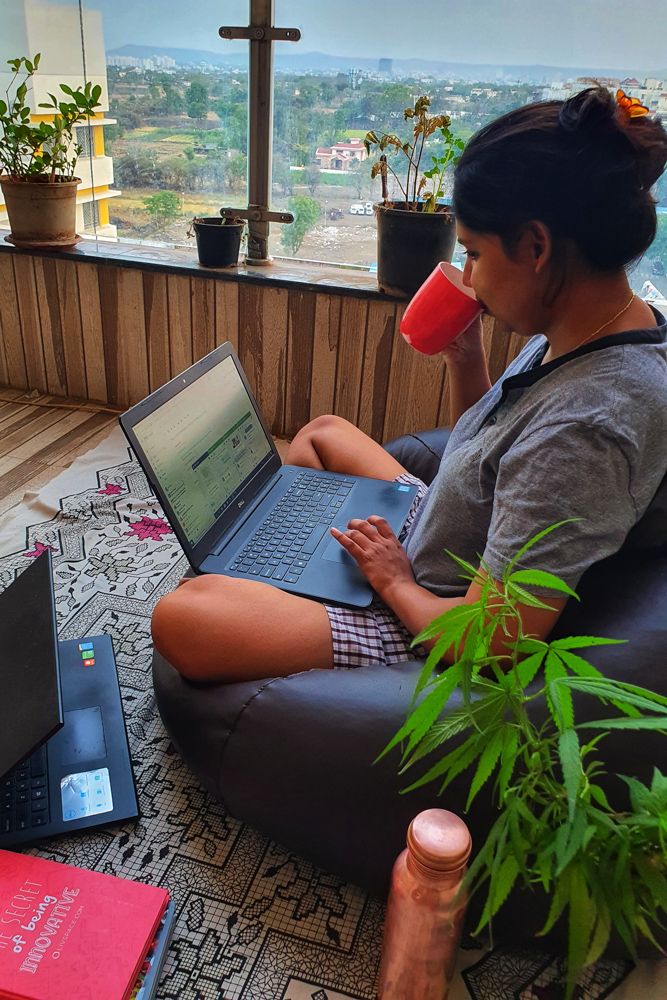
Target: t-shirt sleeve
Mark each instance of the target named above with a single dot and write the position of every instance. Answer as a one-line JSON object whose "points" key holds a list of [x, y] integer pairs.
{"points": [[564, 470]]}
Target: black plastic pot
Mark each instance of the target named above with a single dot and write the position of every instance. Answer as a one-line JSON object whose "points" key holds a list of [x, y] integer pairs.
{"points": [[218, 241], [409, 245]]}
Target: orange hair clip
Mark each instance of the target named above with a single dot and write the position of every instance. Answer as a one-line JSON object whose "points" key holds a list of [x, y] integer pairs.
{"points": [[630, 106]]}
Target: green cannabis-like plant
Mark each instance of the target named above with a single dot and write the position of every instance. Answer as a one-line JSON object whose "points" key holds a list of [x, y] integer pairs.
{"points": [[556, 830], [28, 150], [423, 127]]}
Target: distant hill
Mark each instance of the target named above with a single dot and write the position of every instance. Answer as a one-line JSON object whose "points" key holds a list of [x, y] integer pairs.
{"points": [[304, 62]]}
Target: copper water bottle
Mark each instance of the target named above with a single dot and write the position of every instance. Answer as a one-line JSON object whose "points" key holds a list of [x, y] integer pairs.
{"points": [[425, 909]]}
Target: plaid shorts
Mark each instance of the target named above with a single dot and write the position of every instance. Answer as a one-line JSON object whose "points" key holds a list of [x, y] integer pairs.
{"points": [[362, 636]]}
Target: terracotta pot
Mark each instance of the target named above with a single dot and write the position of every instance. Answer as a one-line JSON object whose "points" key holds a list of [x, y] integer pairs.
{"points": [[41, 214], [218, 241], [410, 244]]}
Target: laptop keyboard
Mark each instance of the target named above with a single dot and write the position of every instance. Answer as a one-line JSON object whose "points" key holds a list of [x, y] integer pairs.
{"points": [[282, 546], [25, 795]]}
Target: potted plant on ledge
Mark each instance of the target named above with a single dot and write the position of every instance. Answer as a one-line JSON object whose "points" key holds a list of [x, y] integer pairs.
{"points": [[37, 161], [417, 231]]}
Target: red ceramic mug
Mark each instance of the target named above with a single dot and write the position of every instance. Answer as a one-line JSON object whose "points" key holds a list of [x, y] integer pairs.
{"points": [[439, 311]]}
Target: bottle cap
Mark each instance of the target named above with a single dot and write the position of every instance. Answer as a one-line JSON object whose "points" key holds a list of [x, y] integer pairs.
{"points": [[439, 840]]}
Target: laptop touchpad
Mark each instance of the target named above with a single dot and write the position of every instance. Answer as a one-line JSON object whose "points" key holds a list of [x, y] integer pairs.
{"points": [[336, 553], [82, 736]]}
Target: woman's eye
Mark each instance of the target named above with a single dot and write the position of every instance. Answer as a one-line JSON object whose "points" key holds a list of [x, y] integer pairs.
{"points": [[471, 254]]}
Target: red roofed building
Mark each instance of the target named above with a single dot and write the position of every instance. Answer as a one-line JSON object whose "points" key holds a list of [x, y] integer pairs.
{"points": [[341, 154]]}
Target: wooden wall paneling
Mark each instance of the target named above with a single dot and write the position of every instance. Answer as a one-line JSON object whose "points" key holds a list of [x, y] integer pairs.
{"points": [[123, 325], [227, 313], [263, 348], [48, 300], [10, 327], [351, 347], [202, 292], [376, 367], [515, 344], [180, 323], [26, 290], [91, 329], [4, 374], [156, 317], [325, 354], [497, 338], [444, 414], [415, 388], [300, 335], [70, 324]]}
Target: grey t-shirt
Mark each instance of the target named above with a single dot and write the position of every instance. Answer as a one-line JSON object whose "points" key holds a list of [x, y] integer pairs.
{"points": [[584, 436]]}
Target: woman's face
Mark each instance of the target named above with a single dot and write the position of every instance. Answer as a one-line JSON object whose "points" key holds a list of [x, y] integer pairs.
{"points": [[509, 288]]}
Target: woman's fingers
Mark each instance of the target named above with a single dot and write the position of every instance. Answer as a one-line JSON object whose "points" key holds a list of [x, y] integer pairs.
{"points": [[381, 525], [364, 527], [349, 540]]}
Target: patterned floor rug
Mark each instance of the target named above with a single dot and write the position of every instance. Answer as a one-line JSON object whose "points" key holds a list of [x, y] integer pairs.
{"points": [[255, 922]]}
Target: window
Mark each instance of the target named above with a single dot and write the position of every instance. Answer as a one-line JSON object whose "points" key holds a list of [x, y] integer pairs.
{"points": [[91, 216], [171, 140]]}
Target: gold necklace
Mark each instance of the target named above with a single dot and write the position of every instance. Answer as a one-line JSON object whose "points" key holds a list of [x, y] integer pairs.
{"points": [[609, 321]]}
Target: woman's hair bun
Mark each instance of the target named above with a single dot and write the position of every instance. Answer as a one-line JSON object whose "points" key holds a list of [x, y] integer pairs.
{"points": [[588, 112], [595, 115]]}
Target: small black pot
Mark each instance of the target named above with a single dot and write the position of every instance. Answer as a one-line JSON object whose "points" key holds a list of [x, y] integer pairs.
{"points": [[218, 241], [410, 244]]}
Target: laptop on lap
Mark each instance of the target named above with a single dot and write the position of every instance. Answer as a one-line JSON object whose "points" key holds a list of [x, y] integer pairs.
{"points": [[208, 454], [64, 757]]}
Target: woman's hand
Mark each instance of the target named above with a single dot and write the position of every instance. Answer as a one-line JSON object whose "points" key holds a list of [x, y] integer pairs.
{"points": [[468, 346], [377, 552]]}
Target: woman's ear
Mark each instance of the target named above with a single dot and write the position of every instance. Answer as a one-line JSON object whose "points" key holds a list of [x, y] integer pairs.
{"points": [[538, 244]]}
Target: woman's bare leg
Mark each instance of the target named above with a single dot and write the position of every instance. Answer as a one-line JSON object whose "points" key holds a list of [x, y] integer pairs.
{"points": [[220, 628], [336, 445]]}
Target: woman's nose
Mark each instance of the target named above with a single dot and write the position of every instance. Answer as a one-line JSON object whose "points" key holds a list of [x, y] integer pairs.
{"points": [[467, 271]]}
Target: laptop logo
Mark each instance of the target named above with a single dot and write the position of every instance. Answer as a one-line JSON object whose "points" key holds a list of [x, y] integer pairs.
{"points": [[87, 654]]}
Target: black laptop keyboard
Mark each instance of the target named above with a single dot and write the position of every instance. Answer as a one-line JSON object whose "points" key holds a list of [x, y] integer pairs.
{"points": [[25, 795], [282, 546]]}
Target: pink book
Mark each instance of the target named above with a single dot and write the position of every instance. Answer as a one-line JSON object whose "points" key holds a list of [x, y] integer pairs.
{"points": [[67, 932]]}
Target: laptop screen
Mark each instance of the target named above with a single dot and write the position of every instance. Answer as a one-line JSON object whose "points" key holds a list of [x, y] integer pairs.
{"points": [[30, 702], [203, 444]]}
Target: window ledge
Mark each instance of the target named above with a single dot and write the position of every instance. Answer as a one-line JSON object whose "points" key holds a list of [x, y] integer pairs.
{"points": [[306, 275]]}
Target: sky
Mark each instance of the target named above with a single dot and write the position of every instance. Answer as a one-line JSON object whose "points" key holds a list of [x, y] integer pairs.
{"points": [[628, 34]]}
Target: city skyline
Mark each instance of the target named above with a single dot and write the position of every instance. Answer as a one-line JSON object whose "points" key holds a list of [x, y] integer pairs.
{"points": [[597, 33]]}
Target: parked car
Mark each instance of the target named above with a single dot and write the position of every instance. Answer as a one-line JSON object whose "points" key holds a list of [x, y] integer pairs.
{"points": [[361, 208], [335, 213]]}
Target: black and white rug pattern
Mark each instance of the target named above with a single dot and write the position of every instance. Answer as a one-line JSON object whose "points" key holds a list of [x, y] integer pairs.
{"points": [[255, 922]]}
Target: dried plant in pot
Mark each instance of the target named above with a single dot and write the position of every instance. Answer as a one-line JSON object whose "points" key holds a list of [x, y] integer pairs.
{"points": [[218, 239], [37, 160], [417, 231]]}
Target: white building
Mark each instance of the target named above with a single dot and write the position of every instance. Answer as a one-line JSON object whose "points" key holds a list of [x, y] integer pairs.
{"points": [[54, 30]]}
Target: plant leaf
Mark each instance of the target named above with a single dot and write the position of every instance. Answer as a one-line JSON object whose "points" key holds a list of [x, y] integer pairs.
{"points": [[533, 541], [559, 697], [487, 763], [539, 578], [658, 722], [570, 762], [582, 915], [584, 641]]}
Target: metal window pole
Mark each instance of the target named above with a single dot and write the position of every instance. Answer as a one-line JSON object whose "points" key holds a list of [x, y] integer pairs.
{"points": [[261, 34]]}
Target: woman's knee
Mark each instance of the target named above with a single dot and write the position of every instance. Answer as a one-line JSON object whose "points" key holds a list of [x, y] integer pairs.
{"points": [[326, 425], [177, 619]]}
